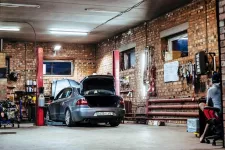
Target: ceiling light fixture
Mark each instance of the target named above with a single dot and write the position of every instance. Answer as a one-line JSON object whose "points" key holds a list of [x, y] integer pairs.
{"points": [[57, 47], [19, 5], [101, 10], [68, 32], [9, 29]]}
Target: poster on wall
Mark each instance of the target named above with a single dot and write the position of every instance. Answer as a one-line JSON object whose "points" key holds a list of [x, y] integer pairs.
{"points": [[170, 71]]}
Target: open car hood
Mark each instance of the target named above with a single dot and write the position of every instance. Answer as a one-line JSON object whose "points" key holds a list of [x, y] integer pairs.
{"points": [[58, 85], [97, 84]]}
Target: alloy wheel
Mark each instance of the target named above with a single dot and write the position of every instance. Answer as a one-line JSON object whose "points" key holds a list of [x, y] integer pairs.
{"points": [[67, 118]]}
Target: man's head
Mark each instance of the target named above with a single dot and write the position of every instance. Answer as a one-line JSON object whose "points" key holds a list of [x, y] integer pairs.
{"points": [[215, 78]]}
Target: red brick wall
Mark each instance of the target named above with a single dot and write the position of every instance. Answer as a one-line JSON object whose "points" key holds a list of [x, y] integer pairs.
{"points": [[17, 62], [3, 82], [83, 57], [221, 10], [194, 14]]}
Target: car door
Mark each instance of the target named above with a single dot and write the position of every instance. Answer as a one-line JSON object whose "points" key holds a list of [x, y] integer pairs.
{"points": [[53, 106], [64, 103], [58, 102]]}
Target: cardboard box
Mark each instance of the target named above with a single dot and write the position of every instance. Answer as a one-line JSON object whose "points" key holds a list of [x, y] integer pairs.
{"points": [[176, 54]]}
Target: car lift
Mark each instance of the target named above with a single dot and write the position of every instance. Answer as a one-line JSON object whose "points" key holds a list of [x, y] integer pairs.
{"points": [[39, 110]]}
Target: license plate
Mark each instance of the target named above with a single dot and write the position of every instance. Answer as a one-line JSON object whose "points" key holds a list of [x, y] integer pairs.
{"points": [[103, 114]]}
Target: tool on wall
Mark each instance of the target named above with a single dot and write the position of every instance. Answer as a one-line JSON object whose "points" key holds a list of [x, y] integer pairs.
{"points": [[125, 82], [185, 72]]}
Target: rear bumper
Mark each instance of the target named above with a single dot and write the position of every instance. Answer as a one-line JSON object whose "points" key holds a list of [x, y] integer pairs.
{"points": [[82, 114]]}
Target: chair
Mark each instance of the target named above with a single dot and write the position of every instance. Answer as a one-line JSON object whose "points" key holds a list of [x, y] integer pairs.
{"points": [[215, 124]]}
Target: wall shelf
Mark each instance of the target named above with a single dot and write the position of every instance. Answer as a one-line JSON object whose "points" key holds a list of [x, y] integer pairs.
{"points": [[126, 91]]}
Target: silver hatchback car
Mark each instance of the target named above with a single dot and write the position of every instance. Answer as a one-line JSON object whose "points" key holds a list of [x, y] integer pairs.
{"points": [[94, 101]]}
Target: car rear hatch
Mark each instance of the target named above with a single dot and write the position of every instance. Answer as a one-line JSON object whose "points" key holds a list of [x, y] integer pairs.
{"points": [[99, 91]]}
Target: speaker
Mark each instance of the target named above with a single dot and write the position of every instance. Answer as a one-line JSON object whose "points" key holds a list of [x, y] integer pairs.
{"points": [[201, 62]]}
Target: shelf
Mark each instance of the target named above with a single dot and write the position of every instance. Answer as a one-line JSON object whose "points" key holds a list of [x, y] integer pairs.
{"points": [[30, 85], [126, 91], [31, 92]]}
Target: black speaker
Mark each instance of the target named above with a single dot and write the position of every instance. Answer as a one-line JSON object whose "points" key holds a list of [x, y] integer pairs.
{"points": [[201, 62]]}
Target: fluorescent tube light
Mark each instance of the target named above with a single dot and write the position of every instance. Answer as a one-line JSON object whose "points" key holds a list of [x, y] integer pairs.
{"points": [[57, 47], [19, 5], [68, 32], [9, 29], [101, 10]]}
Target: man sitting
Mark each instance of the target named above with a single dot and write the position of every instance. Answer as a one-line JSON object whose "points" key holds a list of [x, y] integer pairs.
{"points": [[213, 99]]}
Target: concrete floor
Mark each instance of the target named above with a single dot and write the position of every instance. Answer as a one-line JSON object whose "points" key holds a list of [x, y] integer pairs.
{"points": [[124, 137]]}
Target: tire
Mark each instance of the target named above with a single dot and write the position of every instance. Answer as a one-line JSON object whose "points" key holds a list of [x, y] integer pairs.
{"points": [[47, 116], [114, 124], [68, 118]]}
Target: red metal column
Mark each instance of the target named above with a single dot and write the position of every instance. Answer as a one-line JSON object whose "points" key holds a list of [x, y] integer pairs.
{"points": [[39, 110], [116, 70]]}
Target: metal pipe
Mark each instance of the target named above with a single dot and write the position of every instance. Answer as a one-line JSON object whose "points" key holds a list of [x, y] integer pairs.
{"points": [[173, 106], [184, 114], [170, 100], [1, 49]]}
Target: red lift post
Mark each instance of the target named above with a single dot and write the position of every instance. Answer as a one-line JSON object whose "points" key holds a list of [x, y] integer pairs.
{"points": [[39, 110], [116, 70]]}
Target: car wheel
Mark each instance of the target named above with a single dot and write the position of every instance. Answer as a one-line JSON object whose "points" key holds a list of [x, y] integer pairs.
{"points": [[114, 124], [68, 119], [47, 117]]}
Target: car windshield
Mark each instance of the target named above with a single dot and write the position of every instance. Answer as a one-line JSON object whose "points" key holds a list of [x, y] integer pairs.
{"points": [[98, 92]]}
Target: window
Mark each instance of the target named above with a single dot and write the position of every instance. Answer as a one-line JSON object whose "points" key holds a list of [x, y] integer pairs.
{"points": [[64, 93], [128, 60], [62, 68], [177, 46]]}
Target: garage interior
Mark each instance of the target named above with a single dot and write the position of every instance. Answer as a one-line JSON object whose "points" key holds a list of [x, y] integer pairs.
{"points": [[162, 55]]}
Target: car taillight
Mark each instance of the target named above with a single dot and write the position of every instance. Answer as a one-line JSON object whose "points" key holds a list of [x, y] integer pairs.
{"points": [[121, 103], [81, 101]]}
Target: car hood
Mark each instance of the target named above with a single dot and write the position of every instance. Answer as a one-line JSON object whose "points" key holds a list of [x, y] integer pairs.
{"points": [[97, 82], [58, 85]]}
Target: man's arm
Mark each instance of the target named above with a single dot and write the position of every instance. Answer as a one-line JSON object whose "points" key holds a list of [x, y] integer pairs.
{"points": [[208, 97]]}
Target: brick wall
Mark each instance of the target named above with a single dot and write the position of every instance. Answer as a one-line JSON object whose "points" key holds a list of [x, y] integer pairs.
{"points": [[221, 17], [194, 14], [3, 82], [83, 57]]}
